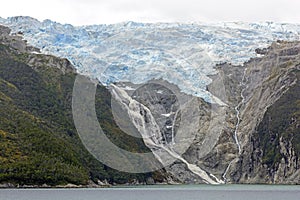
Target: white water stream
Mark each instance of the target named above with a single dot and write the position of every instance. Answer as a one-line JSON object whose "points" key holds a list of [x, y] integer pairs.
{"points": [[237, 125], [152, 135]]}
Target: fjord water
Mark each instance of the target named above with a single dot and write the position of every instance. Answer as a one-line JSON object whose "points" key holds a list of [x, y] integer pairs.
{"points": [[178, 192]]}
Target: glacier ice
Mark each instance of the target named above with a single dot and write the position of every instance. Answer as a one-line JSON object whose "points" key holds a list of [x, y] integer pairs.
{"points": [[183, 54]]}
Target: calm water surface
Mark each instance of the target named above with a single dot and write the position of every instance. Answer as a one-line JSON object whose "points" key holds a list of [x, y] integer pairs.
{"points": [[179, 192]]}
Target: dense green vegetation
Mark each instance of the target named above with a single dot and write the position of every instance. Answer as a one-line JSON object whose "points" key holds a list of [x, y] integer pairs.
{"points": [[38, 139], [281, 120]]}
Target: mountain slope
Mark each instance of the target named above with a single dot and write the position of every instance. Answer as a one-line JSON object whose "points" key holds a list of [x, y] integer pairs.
{"points": [[269, 113], [38, 140]]}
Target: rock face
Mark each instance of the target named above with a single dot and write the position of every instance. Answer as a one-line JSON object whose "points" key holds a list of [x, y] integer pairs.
{"points": [[15, 41], [269, 118], [254, 137]]}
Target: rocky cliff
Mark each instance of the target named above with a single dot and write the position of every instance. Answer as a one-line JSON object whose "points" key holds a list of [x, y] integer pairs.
{"points": [[260, 142], [251, 137], [269, 130]]}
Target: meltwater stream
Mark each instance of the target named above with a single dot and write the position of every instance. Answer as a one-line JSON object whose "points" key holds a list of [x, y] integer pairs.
{"points": [[145, 123], [237, 109]]}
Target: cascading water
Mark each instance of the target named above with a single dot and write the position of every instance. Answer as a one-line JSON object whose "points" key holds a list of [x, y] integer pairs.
{"points": [[237, 109], [145, 123]]}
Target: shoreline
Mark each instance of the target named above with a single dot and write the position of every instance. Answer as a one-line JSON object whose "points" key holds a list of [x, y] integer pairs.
{"points": [[46, 186], [4, 186], [73, 186]]}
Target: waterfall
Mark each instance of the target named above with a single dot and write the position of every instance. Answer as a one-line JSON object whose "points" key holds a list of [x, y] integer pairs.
{"points": [[145, 123], [237, 125]]}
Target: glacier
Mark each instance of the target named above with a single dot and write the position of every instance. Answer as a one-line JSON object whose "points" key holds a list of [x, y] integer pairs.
{"points": [[182, 54]]}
